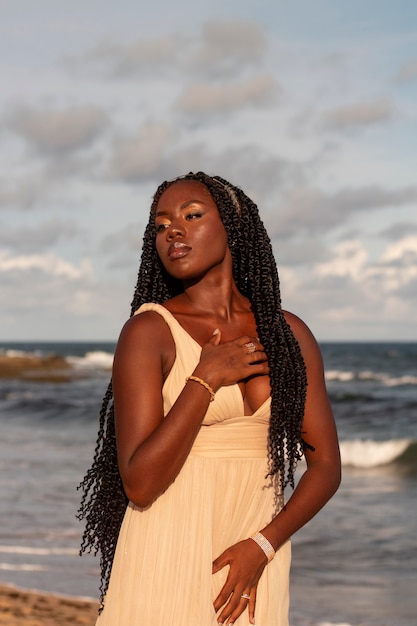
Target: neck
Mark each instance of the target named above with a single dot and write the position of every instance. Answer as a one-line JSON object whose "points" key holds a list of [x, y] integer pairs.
{"points": [[219, 300], [215, 294]]}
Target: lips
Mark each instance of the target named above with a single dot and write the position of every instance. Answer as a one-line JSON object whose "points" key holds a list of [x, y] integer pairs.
{"points": [[178, 249]]}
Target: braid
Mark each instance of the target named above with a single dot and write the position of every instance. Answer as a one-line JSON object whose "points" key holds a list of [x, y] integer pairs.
{"points": [[254, 269]]}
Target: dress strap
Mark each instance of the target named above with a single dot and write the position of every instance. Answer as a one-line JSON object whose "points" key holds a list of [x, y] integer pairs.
{"points": [[179, 334]]}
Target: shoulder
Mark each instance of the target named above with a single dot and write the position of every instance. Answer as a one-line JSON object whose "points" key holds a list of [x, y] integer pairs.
{"points": [[298, 327], [146, 324], [146, 334], [306, 340]]}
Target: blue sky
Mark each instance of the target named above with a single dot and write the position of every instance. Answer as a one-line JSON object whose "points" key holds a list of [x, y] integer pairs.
{"points": [[309, 106]]}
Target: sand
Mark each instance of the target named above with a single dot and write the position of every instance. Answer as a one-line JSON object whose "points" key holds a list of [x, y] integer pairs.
{"points": [[19, 607]]}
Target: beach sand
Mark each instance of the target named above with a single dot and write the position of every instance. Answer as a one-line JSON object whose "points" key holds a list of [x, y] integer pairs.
{"points": [[19, 607]]}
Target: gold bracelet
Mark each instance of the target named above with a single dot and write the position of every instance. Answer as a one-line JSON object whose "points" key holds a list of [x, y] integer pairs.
{"points": [[204, 384], [264, 544]]}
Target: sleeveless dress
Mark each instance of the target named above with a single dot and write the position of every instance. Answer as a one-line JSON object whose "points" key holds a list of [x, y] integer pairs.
{"points": [[162, 570]]}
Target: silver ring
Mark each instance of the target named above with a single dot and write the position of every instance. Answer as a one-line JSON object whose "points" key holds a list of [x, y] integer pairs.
{"points": [[246, 596], [251, 347]]}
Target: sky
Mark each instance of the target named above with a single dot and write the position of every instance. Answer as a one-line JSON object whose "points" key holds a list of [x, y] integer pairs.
{"points": [[308, 105]]}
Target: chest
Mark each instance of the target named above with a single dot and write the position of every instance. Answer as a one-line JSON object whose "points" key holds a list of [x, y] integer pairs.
{"points": [[256, 389]]}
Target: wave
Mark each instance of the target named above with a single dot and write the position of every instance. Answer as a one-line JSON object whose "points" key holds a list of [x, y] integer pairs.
{"points": [[367, 375], [97, 359], [44, 366], [299, 619], [368, 453], [38, 551], [333, 624], [23, 567], [12, 353], [302, 621]]}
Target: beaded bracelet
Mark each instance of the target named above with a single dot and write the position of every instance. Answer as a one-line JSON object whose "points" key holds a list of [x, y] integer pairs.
{"points": [[204, 384], [264, 544]]}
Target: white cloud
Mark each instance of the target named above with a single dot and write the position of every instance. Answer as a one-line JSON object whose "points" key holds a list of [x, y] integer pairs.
{"points": [[349, 259], [48, 264], [392, 272], [406, 247], [317, 130]]}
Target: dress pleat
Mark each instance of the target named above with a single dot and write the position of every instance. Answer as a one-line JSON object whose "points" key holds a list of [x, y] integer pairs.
{"points": [[162, 570]]}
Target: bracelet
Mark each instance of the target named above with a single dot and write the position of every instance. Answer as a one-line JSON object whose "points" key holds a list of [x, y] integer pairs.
{"points": [[264, 544], [203, 383]]}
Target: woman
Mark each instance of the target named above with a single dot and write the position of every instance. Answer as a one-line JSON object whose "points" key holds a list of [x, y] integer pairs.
{"points": [[217, 394]]}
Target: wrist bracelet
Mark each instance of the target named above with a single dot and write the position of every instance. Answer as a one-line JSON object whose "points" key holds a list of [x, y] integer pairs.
{"points": [[264, 544], [203, 383]]}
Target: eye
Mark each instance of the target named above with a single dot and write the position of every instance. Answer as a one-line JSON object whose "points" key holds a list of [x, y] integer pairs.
{"points": [[194, 215], [160, 227]]}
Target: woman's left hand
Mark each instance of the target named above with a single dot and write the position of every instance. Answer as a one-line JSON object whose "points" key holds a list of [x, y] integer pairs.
{"points": [[246, 563]]}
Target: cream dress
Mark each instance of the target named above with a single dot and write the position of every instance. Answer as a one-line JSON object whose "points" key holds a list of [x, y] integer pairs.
{"points": [[162, 570]]}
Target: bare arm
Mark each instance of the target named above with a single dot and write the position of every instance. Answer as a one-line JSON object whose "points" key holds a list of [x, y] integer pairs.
{"points": [[152, 448], [322, 476], [316, 486]]}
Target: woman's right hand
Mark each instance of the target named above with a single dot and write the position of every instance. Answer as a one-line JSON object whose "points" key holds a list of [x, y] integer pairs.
{"points": [[228, 363], [153, 446]]}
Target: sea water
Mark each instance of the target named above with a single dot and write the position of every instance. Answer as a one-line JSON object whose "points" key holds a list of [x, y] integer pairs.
{"points": [[354, 564]]}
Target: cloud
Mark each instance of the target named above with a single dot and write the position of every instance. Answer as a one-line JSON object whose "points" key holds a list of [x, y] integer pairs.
{"points": [[40, 237], [353, 295], [138, 157], [47, 295], [258, 172], [58, 132], [123, 247], [152, 155], [297, 253], [314, 211], [407, 73], [392, 272], [24, 193], [221, 48], [348, 259], [125, 60], [206, 98], [357, 115], [229, 46], [402, 253], [398, 230], [47, 264]]}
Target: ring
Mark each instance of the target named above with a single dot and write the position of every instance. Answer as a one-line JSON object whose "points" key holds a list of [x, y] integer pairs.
{"points": [[246, 596], [251, 347]]}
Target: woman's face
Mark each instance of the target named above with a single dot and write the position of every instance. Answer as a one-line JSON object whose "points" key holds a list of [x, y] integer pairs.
{"points": [[190, 237]]}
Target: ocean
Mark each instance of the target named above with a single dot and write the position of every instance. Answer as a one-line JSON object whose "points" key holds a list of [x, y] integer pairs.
{"points": [[354, 564]]}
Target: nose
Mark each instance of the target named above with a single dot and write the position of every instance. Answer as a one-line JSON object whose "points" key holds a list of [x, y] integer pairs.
{"points": [[175, 229]]}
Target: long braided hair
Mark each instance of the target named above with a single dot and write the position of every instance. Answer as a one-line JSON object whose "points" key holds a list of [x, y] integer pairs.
{"points": [[104, 501]]}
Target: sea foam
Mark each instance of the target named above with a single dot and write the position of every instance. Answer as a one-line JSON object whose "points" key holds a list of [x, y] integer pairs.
{"points": [[385, 379], [369, 453], [92, 360]]}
